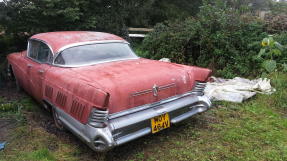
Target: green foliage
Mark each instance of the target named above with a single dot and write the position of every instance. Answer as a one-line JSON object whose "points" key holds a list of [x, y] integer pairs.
{"points": [[269, 65], [279, 7], [219, 37], [41, 155], [270, 52], [8, 107], [34, 16]]}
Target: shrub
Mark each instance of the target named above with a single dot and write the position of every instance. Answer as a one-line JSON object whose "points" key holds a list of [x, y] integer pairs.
{"points": [[219, 37]]}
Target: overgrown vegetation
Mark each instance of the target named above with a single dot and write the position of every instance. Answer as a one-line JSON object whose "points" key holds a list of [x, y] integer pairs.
{"points": [[220, 37]]}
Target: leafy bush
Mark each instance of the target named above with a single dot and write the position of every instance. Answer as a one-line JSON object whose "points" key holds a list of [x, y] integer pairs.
{"points": [[219, 37]]}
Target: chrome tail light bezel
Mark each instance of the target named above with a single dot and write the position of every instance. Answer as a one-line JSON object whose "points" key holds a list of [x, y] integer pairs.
{"points": [[198, 88], [98, 118]]}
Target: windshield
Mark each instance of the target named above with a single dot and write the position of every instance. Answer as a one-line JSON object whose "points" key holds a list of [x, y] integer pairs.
{"points": [[94, 53]]}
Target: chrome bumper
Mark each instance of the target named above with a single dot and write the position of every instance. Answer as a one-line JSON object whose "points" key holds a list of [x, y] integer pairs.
{"points": [[129, 125]]}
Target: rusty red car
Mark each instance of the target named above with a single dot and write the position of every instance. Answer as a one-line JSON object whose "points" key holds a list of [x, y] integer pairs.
{"points": [[99, 89]]}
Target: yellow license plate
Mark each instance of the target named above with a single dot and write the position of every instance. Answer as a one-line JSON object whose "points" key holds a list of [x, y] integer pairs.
{"points": [[160, 122]]}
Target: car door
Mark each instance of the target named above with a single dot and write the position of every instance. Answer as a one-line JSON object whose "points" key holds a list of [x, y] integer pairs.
{"points": [[39, 57]]}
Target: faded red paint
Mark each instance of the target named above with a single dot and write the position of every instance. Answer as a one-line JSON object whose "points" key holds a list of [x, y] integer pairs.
{"points": [[115, 86]]}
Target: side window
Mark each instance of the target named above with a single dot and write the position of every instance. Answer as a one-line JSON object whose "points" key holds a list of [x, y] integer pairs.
{"points": [[39, 51]]}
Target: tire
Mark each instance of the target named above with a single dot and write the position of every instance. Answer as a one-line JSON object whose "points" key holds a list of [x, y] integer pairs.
{"points": [[13, 79], [57, 121]]}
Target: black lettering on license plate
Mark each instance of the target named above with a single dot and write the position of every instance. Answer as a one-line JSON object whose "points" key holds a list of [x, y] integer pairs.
{"points": [[160, 122]]}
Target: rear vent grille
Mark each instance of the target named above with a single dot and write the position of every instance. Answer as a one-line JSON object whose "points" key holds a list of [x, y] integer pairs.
{"points": [[49, 92], [198, 89], [61, 99], [98, 118], [77, 109]]}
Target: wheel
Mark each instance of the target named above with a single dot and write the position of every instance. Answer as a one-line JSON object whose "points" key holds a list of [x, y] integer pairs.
{"points": [[13, 79], [57, 121]]}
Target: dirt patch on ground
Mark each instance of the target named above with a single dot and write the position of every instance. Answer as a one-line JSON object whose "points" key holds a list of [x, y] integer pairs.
{"points": [[5, 126], [10, 93]]}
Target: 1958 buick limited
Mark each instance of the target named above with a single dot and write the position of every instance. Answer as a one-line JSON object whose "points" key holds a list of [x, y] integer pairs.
{"points": [[95, 86]]}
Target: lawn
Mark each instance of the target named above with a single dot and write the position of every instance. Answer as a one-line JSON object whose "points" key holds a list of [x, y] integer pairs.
{"points": [[254, 130]]}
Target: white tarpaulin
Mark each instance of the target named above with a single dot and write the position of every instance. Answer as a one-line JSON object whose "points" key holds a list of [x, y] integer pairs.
{"points": [[237, 89]]}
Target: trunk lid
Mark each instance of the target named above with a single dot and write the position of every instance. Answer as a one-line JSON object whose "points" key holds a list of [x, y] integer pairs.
{"points": [[133, 83]]}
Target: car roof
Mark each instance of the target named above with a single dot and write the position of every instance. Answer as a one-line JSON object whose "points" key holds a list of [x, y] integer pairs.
{"points": [[60, 40]]}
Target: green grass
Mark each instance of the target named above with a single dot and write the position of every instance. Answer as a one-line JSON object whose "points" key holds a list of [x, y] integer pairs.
{"points": [[254, 130]]}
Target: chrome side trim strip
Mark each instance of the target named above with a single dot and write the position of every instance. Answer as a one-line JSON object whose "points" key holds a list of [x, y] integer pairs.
{"points": [[142, 92], [150, 90], [100, 62]]}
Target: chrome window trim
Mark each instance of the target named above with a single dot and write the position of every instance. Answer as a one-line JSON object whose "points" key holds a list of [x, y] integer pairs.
{"points": [[35, 60], [89, 43], [89, 64]]}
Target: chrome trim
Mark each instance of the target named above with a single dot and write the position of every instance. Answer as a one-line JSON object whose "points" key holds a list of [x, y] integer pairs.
{"points": [[142, 92], [198, 88], [138, 124], [133, 136], [87, 133], [126, 128], [187, 115], [155, 90], [167, 86], [143, 107], [98, 118], [89, 43], [133, 118], [155, 87], [88, 64]]}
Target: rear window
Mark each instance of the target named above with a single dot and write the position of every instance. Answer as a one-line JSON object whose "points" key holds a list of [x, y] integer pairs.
{"points": [[94, 53]]}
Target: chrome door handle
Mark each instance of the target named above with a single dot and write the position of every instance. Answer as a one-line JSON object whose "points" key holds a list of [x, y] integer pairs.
{"points": [[29, 65], [41, 71]]}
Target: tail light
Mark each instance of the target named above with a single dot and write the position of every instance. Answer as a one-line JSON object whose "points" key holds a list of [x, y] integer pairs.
{"points": [[198, 88], [98, 118]]}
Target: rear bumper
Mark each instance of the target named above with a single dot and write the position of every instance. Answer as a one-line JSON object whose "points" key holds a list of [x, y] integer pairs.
{"points": [[129, 125]]}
